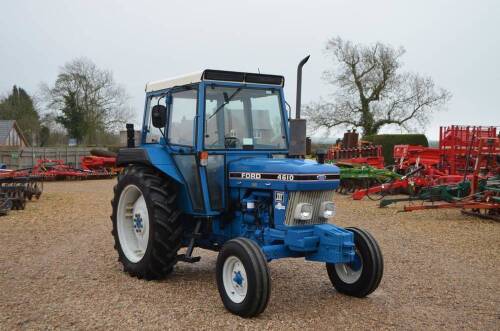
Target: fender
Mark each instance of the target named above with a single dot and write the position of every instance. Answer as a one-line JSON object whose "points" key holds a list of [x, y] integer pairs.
{"points": [[156, 157], [153, 156]]}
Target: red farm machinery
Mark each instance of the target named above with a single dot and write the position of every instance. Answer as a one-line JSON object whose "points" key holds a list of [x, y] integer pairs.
{"points": [[21, 185], [462, 172], [478, 194], [459, 147], [361, 163], [454, 160], [352, 151]]}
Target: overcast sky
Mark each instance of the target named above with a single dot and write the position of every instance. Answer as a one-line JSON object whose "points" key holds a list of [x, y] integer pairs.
{"points": [[455, 42]]}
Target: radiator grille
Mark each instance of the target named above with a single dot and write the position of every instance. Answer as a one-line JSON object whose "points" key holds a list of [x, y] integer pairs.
{"points": [[315, 198]]}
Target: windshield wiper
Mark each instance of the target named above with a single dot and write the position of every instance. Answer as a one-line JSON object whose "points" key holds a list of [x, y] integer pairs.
{"points": [[226, 101]]}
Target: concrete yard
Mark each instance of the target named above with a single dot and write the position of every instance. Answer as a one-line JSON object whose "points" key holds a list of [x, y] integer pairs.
{"points": [[58, 270]]}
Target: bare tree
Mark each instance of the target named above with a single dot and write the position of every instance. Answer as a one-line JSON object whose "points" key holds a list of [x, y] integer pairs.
{"points": [[370, 92], [87, 100]]}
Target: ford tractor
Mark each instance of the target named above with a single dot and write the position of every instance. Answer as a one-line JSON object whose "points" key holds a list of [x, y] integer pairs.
{"points": [[221, 166]]}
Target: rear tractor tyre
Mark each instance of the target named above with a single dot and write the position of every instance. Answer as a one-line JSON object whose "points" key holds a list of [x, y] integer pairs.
{"points": [[243, 277], [362, 276], [147, 228]]}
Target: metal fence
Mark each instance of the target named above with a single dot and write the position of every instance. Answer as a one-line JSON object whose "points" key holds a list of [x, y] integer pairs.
{"points": [[25, 157]]}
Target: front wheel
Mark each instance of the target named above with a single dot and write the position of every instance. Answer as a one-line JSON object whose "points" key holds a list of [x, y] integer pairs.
{"points": [[362, 276], [243, 277]]}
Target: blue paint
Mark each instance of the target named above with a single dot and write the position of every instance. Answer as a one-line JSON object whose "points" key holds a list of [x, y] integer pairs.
{"points": [[238, 278], [284, 166], [356, 263], [252, 208], [162, 159]]}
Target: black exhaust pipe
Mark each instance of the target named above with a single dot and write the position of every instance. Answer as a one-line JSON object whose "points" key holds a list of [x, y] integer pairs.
{"points": [[297, 146], [130, 135], [299, 86]]}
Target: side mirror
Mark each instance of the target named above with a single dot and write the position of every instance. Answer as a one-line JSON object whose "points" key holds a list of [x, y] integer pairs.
{"points": [[159, 116]]}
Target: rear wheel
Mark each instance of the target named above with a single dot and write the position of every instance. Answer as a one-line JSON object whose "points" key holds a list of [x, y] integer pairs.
{"points": [[146, 223], [362, 276], [243, 277]]}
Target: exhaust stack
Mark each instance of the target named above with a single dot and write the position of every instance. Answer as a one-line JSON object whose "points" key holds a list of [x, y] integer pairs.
{"points": [[299, 86], [297, 146]]}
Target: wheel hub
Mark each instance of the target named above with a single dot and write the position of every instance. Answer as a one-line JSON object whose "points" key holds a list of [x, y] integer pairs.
{"points": [[238, 278], [356, 264], [138, 223], [235, 279], [350, 272]]}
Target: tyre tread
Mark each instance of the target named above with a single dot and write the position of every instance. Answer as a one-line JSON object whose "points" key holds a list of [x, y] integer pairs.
{"points": [[258, 265], [165, 217], [366, 284]]}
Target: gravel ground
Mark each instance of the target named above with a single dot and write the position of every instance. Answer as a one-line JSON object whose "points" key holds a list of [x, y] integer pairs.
{"points": [[58, 270]]}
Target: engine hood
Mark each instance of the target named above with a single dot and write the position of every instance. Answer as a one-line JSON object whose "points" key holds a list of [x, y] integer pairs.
{"points": [[283, 174]]}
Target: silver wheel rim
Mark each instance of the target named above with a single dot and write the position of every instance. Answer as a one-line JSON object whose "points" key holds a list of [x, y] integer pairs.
{"points": [[347, 273], [133, 223], [234, 278]]}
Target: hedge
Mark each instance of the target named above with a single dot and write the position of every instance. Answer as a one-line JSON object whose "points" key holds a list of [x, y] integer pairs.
{"points": [[389, 140]]}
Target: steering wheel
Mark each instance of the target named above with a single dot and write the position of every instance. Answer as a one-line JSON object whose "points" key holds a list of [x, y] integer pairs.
{"points": [[231, 142]]}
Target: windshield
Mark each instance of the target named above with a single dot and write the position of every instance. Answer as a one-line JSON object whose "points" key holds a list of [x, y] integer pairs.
{"points": [[240, 117]]}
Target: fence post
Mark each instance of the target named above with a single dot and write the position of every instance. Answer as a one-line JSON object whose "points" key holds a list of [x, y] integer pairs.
{"points": [[19, 158]]}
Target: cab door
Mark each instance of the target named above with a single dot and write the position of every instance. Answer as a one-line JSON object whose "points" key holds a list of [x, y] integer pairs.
{"points": [[181, 137]]}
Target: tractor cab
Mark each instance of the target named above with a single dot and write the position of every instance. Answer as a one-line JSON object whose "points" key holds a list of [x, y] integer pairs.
{"points": [[227, 129], [221, 166]]}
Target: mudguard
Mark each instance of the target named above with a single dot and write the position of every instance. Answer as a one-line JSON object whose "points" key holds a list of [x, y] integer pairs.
{"points": [[154, 156], [158, 157]]}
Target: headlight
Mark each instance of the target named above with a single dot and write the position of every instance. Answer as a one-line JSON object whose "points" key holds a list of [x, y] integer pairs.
{"points": [[303, 211], [327, 209]]}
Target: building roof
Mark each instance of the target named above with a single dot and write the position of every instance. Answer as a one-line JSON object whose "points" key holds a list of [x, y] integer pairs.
{"points": [[215, 75], [6, 127]]}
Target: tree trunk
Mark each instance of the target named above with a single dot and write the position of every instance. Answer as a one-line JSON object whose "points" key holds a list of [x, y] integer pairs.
{"points": [[367, 120]]}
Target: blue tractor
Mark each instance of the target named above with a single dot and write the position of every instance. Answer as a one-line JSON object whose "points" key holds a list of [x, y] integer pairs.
{"points": [[221, 166]]}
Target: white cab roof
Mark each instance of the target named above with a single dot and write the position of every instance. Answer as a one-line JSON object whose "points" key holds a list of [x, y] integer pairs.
{"points": [[191, 78], [215, 75]]}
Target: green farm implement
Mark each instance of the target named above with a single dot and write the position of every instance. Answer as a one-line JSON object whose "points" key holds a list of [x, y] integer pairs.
{"points": [[445, 192], [355, 176]]}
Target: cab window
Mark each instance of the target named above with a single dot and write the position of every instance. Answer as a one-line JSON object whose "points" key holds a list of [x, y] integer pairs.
{"points": [[240, 116], [182, 117], [153, 134]]}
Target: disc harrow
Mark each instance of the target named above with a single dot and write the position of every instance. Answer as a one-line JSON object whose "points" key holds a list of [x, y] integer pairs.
{"points": [[22, 185], [15, 191], [57, 170]]}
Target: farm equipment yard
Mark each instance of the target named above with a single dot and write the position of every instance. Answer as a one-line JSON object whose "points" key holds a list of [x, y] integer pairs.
{"points": [[59, 270]]}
